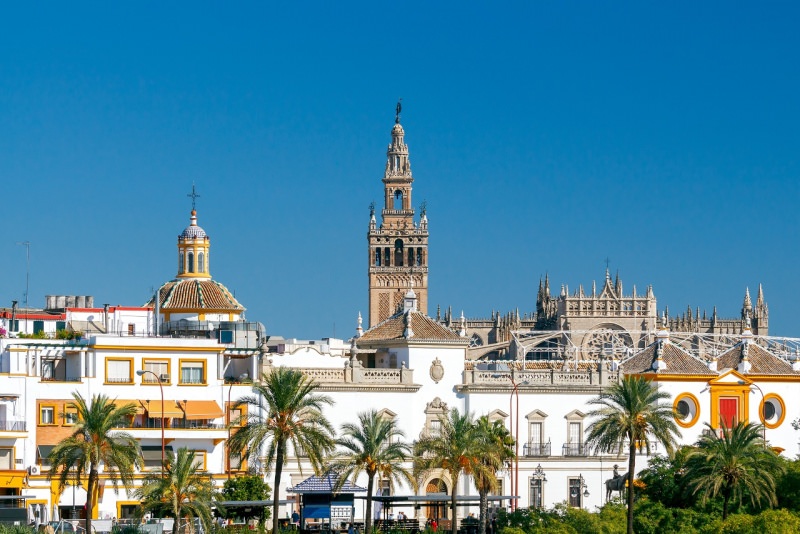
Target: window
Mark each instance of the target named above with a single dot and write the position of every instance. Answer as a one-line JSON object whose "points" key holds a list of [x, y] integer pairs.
{"points": [[70, 416], [43, 455], [436, 428], [47, 415], [419, 256], [201, 262], [377, 257], [200, 460], [151, 454], [131, 329], [687, 410], [38, 327], [574, 445], [398, 253], [386, 487], [13, 325], [180, 262], [773, 411], [236, 462], [235, 416], [119, 371], [398, 195], [190, 261], [48, 370], [192, 372], [387, 257], [536, 493], [6, 458], [159, 368], [575, 495], [410, 255]]}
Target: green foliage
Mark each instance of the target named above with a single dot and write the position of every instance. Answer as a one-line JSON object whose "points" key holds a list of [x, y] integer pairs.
{"points": [[41, 334], [96, 440], [16, 529], [293, 415], [497, 450], [665, 482], [788, 485], [183, 489], [735, 465], [68, 334], [632, 411], [246, 488], [374, 446]]}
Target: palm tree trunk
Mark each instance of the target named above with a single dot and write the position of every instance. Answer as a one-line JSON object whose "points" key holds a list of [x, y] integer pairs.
{"points": [[726, 496], [631, 469], [275, 489], [368, 519], [453, 524], [90, 496], [484, 509]]}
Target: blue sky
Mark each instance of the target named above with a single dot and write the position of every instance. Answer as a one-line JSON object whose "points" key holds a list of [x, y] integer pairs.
{"points": [[544, 136]]}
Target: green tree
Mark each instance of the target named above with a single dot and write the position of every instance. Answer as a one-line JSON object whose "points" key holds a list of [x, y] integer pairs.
{"points": [[734, 463], [455, 449], [372, 446], [631, 412], [665, 482], [246, 488], [291, 414], [497, 450], [182, 490], [95, 441]]}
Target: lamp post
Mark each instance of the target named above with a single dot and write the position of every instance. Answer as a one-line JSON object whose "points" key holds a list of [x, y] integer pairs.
{"points": [[142, 372], [581, 486], [761, 413], [515, 479], [228, 424], [539, 475]]}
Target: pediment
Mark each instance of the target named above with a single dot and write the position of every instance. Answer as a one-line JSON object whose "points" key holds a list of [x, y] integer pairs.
{"points": [[536, 415], [575, 415], [731, 376], [496, 414]]}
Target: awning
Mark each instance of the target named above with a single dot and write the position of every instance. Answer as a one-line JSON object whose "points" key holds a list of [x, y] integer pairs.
{"points": [[44, 451], [153, 408], [202, 409], [317, 511], [122, 402], [87, 327]]}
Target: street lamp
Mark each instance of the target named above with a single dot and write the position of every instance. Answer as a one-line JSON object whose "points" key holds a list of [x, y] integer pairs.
{"points": [[142, 372], [761, 413], [539, 475], [515, 479], [576, 490], [241, 378]]}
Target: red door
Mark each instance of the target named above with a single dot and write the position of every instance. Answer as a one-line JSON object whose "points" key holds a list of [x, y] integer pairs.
{"points": [[728, 411]]}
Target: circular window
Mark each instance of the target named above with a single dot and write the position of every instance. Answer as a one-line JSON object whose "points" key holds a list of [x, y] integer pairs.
{"points": [[772, 411], [687, 409]]}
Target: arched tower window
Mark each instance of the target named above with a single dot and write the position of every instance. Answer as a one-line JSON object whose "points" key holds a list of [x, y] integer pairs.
{"points": [[180, 262], [398, 253], [410, 256], [201, 262], [398, 200], [387, 257], [419, 256], [190, 261], [377, 257]]}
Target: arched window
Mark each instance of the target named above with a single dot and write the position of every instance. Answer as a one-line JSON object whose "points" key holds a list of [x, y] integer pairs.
{"points": [[387, 257], [419, 256], [410, 256], [398, 253], [398, 200], [190, 261], [180, 262], [377, 257], [201, 263], [397, 163]]}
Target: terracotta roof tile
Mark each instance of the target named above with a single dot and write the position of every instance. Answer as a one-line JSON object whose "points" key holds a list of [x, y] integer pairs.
{"points": [[424, 328], [196, 295], [677, 361], [762, 361]]}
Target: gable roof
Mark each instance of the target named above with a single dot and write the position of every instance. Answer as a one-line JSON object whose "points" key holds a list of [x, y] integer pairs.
{"points": [[423, 327], [677, 361], [325, 484], [761, 360]]}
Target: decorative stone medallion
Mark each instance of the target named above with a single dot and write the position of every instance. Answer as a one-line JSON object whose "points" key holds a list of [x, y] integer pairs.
{"points": [[437, 370]]}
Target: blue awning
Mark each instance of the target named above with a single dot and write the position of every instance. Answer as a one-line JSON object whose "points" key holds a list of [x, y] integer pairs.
{"points": [[316, 511]]}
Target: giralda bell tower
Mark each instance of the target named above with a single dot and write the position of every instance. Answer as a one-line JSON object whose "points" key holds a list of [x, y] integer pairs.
{"points": [[398, 248]]}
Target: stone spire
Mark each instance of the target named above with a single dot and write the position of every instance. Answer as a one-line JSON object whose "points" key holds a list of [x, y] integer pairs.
{"points": [[747, 306]]}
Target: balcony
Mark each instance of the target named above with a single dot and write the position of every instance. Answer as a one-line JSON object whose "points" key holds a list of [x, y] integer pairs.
{"points": [[533, 450], [13, 426], [574, 449]]}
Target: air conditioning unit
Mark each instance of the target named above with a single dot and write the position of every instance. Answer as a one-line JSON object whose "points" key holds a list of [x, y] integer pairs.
{"points": [[34, 470], [164, 378]]}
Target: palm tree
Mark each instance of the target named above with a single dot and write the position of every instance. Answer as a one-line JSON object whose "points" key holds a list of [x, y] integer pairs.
{"points": [[292, 413], [734, 463], [373, 447], [456, 448], [95, 441], [497, 446], [183, 490], [631, 411]]}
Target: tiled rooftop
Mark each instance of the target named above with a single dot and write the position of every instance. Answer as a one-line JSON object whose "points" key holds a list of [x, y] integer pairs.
{"points": [[762, 361], [197, 294], [424, 328], [676, 359]]}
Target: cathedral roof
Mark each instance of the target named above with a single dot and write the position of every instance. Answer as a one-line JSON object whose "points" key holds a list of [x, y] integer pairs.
{"points": [[677, 361], [761, 360], [423, 327], [193, 294]]}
